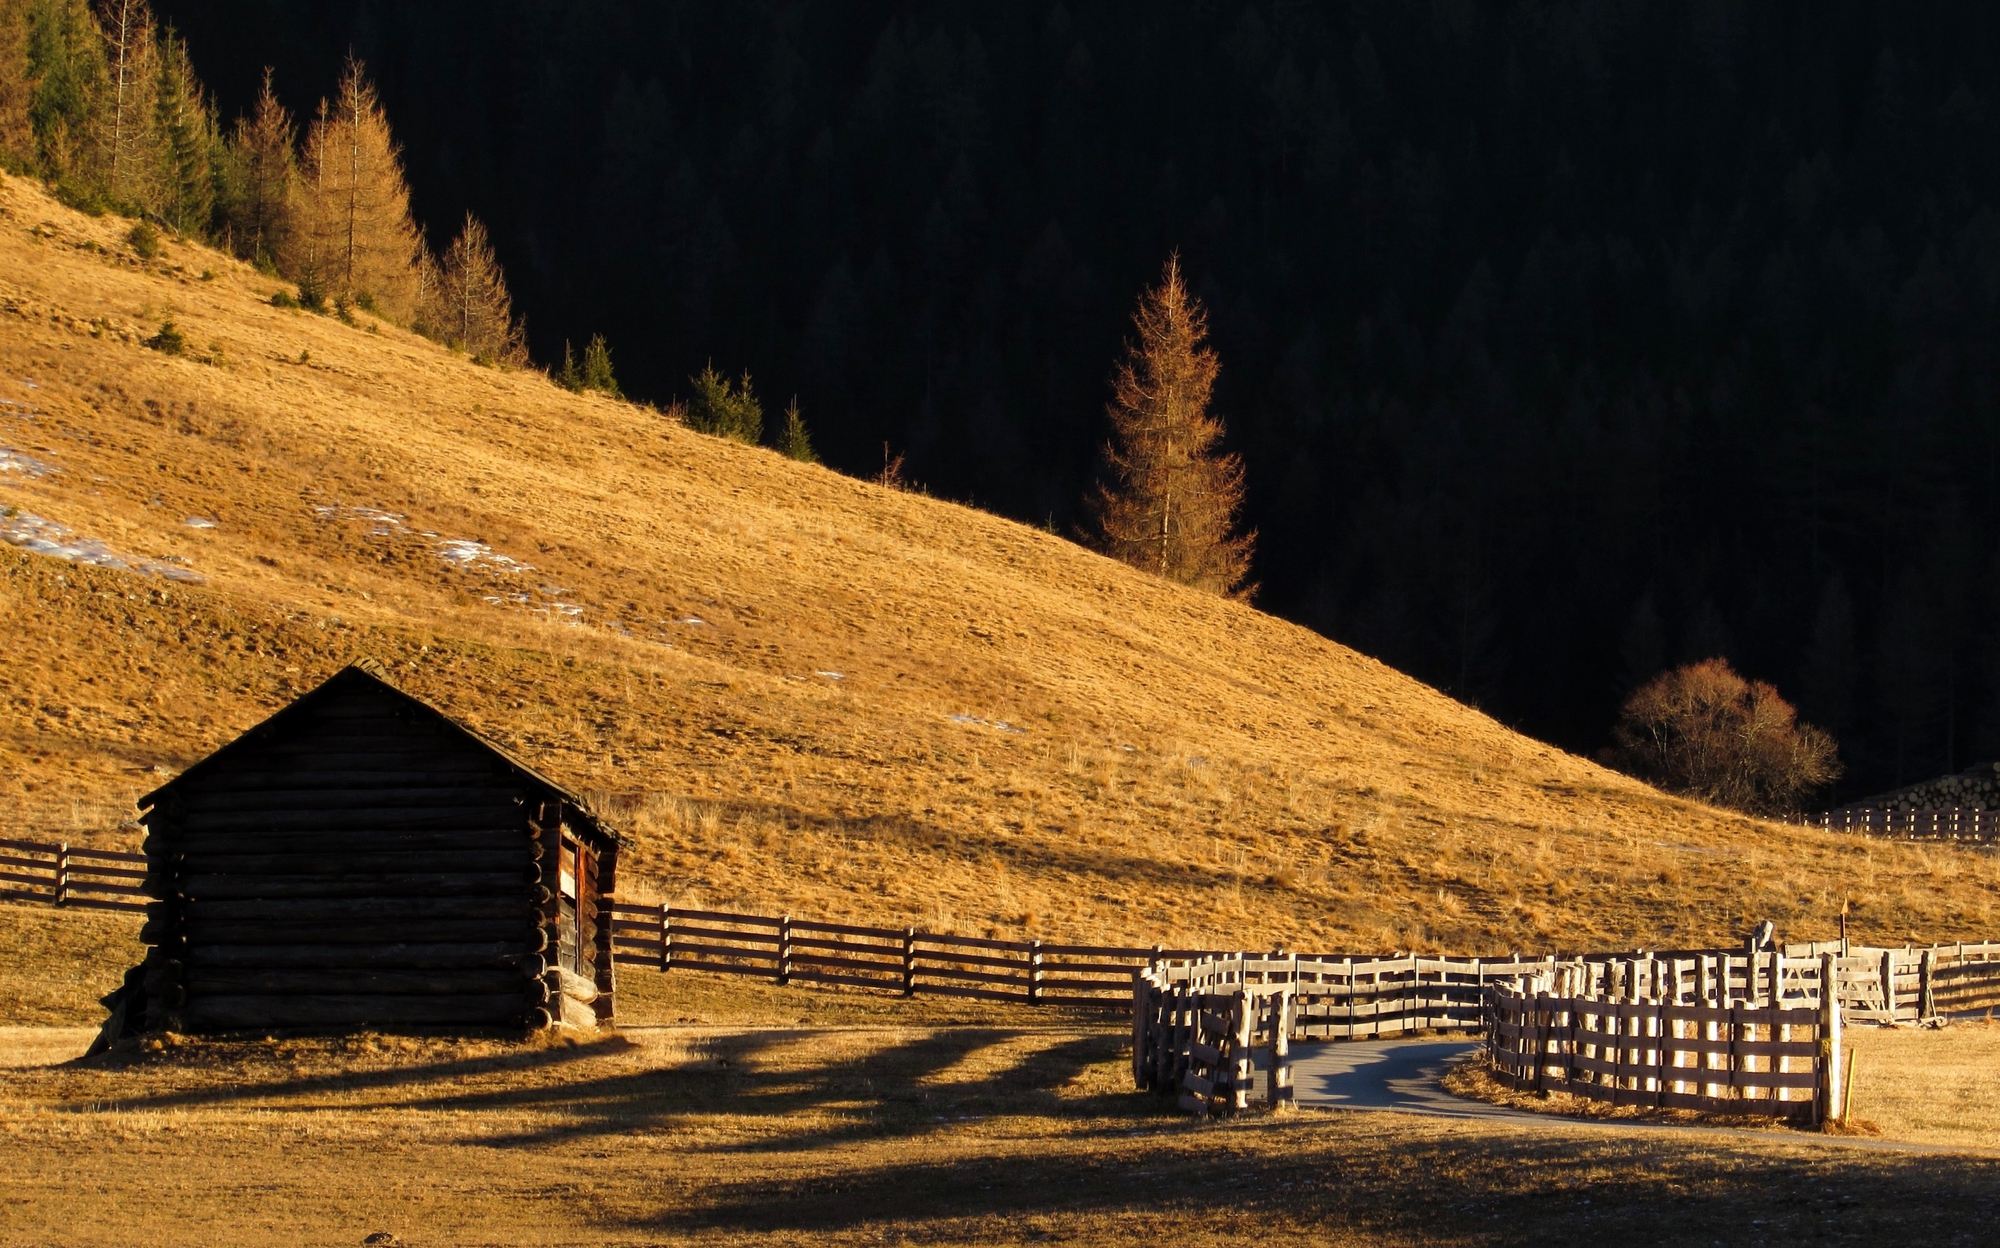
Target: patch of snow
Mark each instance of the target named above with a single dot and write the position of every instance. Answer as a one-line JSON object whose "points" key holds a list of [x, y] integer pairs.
{"points": [[199, 522], [31, 532], [998, 724], [12, 460], [691, 620], [832, 675]]}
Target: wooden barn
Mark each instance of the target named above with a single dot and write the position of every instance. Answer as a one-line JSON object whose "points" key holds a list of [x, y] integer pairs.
{"points": [[361, 860]]}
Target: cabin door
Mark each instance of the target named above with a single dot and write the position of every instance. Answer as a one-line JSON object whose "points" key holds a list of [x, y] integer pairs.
{"points": [[569, 945]]}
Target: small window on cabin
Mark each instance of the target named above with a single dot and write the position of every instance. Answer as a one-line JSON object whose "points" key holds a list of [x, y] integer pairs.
{"points": [[569, 947]]}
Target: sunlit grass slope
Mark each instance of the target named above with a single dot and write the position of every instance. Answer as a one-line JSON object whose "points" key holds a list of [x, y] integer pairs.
{"points": [[799, 691]]}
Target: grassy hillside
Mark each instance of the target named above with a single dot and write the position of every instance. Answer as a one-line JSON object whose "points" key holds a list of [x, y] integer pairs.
{"points": [[798, 690]]}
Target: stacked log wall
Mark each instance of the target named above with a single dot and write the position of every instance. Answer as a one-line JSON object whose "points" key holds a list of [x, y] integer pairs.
{"points": [[364, 868]]}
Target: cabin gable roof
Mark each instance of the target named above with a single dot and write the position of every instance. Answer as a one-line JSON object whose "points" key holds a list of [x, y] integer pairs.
{"points": [[365, 679]]}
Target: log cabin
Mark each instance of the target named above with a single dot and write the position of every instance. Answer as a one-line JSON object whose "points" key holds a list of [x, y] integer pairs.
{"points": [[361, 860]]}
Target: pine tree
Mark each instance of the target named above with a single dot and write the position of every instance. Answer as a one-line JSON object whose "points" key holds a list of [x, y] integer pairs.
{"points": [[597, 373], [723, 409], [1171, 502], [793, 439], [184, 142], [17, 136], [358, 241], [66, 79], [264, 180], [472, 308], [127, 121]]}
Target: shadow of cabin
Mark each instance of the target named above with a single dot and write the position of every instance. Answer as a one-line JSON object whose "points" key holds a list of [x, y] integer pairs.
{"points": [[358, 860]]}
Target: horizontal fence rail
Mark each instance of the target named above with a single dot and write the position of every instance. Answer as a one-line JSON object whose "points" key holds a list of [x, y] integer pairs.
{"points": [[87, 879]]}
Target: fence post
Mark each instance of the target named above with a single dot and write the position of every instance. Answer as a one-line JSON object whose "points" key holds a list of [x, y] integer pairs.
{"points": [[909, 961], [1926, 1002], [1889, 986], [784, 948], [1280, 1090], [1242, 1074], [1829, 1108], [1034, 972], [62, 873], [666, 936]]}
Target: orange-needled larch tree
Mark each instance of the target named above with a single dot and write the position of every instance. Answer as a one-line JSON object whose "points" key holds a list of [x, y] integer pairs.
{"points": [[358, 241], [1170, 498]]}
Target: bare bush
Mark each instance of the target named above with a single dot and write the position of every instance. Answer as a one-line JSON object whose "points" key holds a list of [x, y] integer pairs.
{"points": [[1705, 732]]}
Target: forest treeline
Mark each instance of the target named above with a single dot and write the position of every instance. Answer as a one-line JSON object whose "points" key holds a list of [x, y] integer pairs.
{"points": [[104, 103], [1562, 343]]}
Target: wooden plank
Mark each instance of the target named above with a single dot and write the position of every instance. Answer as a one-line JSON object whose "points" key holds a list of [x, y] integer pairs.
{"points": [[982, 994], [346, 909], [370, 798], [320, 841], [853, 964], [485, 858], [845, 929], [338, 823], [969, 942], [106, 855], [77, 870], [850, 946], [714, 933], [888, 983], [726, 968], [264, 1012], [508, 884], [722, 916], [289, 981], [415, 929], [95, 903], [439, 956], [692, 948], [927, 974], [46, 880], [971, 959]]}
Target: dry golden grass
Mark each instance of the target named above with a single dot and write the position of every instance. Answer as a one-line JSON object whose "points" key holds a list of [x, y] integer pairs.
{"points": [[870, 1132], [1186, 769]]}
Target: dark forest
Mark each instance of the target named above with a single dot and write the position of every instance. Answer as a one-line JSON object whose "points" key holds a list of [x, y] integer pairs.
{"points": [[1562, 341]]}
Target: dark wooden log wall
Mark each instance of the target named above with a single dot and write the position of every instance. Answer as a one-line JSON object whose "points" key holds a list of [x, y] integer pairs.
{"points": [[369, 866]]}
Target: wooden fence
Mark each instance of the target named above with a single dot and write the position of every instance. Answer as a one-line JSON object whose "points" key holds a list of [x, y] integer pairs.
{"points": [[93, 879], [1656, 1044], [1196, 1028], [893, 959], [1949, 824]]}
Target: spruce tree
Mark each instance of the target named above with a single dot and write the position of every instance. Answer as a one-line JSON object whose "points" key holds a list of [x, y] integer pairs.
{"points": [[474, 311], [184, 142], [793, 440], [1171, 500], [597, 373], [66, 79], [17, 136], [359, 243], [723, 409], [264, 177]]}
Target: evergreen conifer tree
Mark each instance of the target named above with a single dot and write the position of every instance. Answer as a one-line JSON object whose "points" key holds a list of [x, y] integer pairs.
{"points": [[184, 142], [597, 373], [263, 180], [474, 311], [1171, 501], [66, 77], [17, 136], [358, 241], [793, 440], [723, 409]]}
